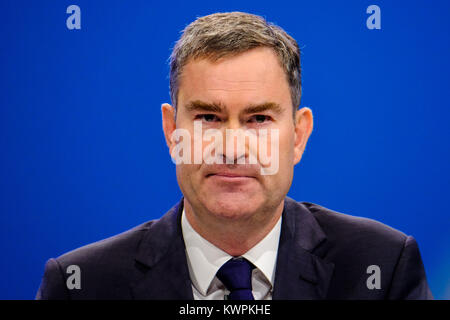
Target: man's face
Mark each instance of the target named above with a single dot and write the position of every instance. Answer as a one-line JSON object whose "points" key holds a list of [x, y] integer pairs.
{"points": [[246, 91]]}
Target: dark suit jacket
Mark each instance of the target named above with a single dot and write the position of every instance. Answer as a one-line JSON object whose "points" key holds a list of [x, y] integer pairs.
{"points": [[322, 254]]}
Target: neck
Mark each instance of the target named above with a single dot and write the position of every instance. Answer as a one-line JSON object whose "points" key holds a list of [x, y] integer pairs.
{"points": [[234, 236]]}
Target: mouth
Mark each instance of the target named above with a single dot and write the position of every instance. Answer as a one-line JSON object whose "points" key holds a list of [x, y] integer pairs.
{"points": [[236, 174], [230, 177]]}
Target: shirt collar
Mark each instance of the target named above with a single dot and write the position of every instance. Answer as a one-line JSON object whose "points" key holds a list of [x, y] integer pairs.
{"points": [[205, 259]]}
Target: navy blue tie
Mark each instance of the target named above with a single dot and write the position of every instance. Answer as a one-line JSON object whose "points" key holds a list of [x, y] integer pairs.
{"points": [[236, 275]]}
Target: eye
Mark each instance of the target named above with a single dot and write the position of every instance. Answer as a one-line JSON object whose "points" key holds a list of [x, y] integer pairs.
{"points": [[260, 118], [207, 117]]}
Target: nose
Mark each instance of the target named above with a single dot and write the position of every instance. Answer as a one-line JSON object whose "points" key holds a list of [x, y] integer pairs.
{"points": [[236, 144]]}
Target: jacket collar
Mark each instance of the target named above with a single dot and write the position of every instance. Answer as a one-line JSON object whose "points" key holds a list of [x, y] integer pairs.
{"points": [[300, 274], [161, 261]]}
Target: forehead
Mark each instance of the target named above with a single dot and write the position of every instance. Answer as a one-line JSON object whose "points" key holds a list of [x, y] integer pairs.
{"points": [[250, 77]]}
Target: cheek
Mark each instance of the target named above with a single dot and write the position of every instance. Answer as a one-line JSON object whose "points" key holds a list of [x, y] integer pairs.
{"points": [[187, 171], [286, 149], [189, 181], [285, 159], [186, 177]]}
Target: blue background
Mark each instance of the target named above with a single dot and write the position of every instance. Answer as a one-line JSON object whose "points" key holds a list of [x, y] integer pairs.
{"points": [[82, 150]]}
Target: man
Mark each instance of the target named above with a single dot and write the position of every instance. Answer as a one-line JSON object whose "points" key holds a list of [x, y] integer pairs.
{"points": [[234, 234]]}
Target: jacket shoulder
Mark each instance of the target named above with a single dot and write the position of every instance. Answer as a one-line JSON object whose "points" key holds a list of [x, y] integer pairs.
{"points": [[114, 247], [344, 228], [357, 246], [104, 268]]}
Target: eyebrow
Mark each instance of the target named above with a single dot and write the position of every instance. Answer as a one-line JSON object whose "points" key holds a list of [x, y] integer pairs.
{"points": [[266, 106], [198, 105]]}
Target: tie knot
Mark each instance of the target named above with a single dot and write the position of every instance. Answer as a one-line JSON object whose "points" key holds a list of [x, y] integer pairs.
{"points": [[236, 275]]}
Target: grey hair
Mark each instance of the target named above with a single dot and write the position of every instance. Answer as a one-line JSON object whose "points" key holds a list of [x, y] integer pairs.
{"points": [[226, 34]]}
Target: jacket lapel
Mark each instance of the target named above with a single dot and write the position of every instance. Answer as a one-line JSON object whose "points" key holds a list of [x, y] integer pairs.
{"points": [[161, 261], [300, 274]]}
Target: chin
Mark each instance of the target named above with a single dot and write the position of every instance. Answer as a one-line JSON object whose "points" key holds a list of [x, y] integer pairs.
{"points": [[233, 205]]}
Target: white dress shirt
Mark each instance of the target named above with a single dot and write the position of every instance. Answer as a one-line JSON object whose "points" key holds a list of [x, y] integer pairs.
{"points": [[205, 259]]}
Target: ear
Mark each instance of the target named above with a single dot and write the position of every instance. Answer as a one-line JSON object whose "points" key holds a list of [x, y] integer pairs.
{"points": [[169, 124], [303, 129]]}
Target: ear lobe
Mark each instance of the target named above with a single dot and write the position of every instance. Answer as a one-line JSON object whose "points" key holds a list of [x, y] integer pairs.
{"points": [[303, 129], [168, 123]]}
